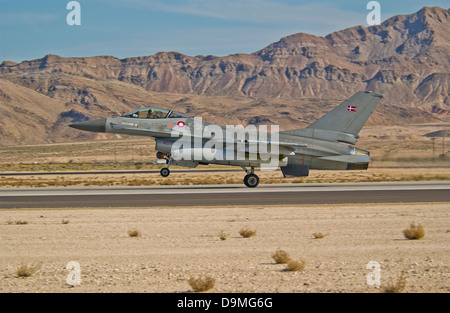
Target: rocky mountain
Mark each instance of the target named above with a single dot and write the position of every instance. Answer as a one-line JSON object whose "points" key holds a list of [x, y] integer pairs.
{"points": [[290, 82]]}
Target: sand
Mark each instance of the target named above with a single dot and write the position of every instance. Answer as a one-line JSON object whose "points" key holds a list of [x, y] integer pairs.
{"points": [[176, 244]]}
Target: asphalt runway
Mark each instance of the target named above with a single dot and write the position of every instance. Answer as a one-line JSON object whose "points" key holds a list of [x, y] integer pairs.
{"points": [[224, 195]]}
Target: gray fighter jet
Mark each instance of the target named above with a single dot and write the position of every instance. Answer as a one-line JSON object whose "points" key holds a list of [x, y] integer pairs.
{"points": [[327, 144]]}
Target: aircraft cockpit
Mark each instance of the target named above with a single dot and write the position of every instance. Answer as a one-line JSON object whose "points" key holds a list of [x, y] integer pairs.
{"points": [[154, 113]]}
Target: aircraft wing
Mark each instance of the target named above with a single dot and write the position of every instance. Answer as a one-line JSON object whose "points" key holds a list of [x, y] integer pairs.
{"points": [[252, 146]]}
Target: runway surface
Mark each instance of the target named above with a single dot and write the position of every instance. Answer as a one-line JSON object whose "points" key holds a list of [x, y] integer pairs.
{"points": [[224, 195]]}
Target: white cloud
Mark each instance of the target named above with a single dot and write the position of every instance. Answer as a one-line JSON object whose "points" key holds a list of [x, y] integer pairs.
{"points": [[30, 18], [322, 15]]}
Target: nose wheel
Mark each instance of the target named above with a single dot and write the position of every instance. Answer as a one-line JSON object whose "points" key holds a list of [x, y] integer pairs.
{"points": [[165, 172]]}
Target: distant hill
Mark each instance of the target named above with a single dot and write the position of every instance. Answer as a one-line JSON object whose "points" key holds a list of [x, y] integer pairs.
{"points": [[290, 82]]}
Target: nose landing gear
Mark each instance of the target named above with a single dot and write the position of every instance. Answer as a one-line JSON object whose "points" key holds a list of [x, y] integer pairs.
{"points": [[164, 171]]}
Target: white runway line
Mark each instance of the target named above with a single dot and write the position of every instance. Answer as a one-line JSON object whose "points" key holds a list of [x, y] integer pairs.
{"points": [[124, 190]]}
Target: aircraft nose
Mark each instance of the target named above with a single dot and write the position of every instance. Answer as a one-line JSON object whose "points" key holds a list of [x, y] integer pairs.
{"points": [[92, 126]]}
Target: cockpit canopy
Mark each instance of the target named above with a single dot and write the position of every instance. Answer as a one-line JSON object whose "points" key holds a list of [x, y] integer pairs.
{"points": [[154, 113]]}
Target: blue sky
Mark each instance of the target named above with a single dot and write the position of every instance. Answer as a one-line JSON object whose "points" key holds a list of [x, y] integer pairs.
{"points": [[30, 29]]}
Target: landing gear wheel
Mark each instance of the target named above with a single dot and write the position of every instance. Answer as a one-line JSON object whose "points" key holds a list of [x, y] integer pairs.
{"points": [[251, 180], [165, 172]]}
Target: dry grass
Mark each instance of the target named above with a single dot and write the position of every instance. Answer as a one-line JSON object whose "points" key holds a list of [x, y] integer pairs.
{"points": [[27, 270], [200, 178], [18, 222], [134, 233], [281, 257], [295, 266], [201, 284], [247, 232], [414, 232], [318, 235], [223, 235], [397, 287]]}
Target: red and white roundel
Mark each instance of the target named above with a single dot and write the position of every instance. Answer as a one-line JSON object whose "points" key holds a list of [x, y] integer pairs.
{"points": [[181, 124]]}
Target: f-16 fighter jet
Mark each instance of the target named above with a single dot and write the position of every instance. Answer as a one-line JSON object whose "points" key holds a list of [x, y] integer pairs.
{"points": [[327, 144]]}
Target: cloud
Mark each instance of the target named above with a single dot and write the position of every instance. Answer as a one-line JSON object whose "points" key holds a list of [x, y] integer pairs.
{"points": [[324, 15], [28, 18]]}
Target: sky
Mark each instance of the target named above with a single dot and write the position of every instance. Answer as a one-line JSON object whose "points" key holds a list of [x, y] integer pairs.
{"points": [[30, 29]]}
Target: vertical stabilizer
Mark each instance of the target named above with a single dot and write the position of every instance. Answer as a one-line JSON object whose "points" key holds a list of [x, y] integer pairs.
{"points": [[351, 115]]}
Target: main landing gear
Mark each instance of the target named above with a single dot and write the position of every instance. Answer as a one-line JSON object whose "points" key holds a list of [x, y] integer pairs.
{"points": [[251, 180]]}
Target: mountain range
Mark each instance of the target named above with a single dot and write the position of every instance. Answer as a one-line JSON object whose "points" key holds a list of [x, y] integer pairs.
{"points": [[290, 82]]}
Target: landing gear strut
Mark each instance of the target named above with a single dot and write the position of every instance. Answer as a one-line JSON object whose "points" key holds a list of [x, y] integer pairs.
{"points": [[164, 171], [251, 180]]}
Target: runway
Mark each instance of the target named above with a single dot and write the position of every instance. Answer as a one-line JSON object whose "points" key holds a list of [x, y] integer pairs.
{"points": [[224, 195]]}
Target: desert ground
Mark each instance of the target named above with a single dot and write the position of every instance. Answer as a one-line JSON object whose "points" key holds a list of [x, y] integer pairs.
{"points": [[175, 244]]}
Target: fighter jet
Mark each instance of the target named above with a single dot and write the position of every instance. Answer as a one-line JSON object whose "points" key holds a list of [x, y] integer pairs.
{"points": [[327, 144]]}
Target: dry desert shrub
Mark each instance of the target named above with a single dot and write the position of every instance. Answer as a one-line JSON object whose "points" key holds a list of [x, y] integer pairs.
{"points": [[18, 222], [247, 232], [27, 270], [223, 235], [281, 257], [134, 233], [201, 284], [295, 266], [318, 235], [397, 287], [414, 232]]}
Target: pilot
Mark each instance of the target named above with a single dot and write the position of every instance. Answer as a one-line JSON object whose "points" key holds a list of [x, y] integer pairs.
{"points": [[154, 114]]}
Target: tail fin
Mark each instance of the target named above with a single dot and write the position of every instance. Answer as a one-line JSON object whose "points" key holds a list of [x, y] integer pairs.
{"points": [[351, 115]]}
